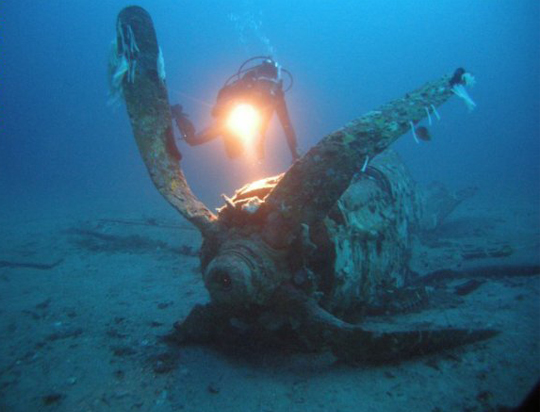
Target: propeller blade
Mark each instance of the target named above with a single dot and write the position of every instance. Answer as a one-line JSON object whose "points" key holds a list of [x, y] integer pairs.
{"points": [[148, 108], [313, 184]]}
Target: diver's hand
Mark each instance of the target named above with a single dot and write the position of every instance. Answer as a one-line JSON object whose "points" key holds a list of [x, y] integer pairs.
{"points": [[186, 128], [177, 111]]}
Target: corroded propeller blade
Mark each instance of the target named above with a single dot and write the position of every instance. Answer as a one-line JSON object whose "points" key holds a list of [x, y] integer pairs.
{"points": [[357, 345], [149, 112], [320, 330], [313, 184], [353, 343]]}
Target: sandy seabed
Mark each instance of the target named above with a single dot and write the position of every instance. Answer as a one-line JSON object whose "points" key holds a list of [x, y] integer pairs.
{"points": [[86, 297]]}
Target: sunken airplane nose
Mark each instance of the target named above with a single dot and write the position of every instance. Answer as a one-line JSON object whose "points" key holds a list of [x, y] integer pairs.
{"points": [[250, 254], [229, 279], [242, 273]]}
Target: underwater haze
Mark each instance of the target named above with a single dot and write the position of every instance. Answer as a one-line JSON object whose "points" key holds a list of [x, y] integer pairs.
{"points": [[69, 162], [61, 142]]}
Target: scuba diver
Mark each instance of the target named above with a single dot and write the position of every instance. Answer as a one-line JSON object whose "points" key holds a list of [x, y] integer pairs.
{"points": [[255, 91]]}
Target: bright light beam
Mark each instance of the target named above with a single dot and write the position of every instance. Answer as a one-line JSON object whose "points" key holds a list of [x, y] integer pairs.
{"points": [[244, 121]]}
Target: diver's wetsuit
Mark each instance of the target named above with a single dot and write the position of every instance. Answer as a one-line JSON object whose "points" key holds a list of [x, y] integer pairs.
{"points": [[259, 86]]}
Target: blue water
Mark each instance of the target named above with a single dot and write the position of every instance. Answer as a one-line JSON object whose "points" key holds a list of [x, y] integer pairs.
{"points": [[58, 137], [65, 153]]}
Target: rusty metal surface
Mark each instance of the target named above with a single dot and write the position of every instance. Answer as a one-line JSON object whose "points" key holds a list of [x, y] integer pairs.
{"points": [[147, 104]]}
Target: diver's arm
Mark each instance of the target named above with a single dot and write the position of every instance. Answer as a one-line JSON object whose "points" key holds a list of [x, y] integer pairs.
{"points": [[187, 130], [204, 136], [283, 115]]}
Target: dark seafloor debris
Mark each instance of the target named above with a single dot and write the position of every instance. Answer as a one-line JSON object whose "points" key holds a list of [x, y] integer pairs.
{"points": [[97, 241], [486, 272], [29, 265], [470, 286], [52, 398]]}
